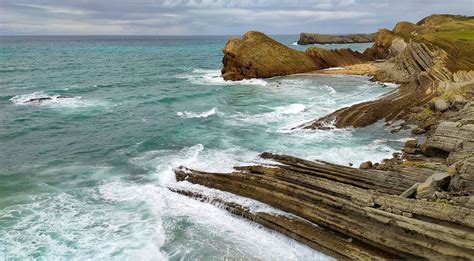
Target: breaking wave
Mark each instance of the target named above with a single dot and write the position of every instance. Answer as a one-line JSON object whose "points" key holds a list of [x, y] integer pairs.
{"points": [[213, 77], [190, 114]]}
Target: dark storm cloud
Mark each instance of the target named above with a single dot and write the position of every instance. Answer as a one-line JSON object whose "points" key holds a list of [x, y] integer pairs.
{"points": [[214, 16]]}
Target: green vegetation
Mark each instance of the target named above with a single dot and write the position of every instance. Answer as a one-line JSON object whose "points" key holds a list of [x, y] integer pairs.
{"points": [[454, 34]]}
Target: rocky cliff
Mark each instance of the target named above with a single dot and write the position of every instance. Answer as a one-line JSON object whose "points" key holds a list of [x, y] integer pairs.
{"points": [[427, 59], [311, 38], [258, 56]]}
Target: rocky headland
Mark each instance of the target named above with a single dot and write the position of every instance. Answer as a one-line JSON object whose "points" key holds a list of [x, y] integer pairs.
{"points": [[418, 204], [311, 38]]}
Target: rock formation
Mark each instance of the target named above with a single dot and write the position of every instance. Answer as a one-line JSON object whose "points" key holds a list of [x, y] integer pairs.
{"points": [[424, 60], [416, 205], [342, 211], [259, 56], [310, 38]]}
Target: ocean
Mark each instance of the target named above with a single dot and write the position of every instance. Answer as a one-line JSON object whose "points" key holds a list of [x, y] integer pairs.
{"points": [[84, 173]]}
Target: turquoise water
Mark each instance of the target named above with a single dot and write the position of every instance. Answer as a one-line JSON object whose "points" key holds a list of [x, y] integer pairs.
{"points": [[85, 177]]}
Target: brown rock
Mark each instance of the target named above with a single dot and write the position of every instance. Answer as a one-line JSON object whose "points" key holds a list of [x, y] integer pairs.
{"points": [[259, 56], [366, 165]]}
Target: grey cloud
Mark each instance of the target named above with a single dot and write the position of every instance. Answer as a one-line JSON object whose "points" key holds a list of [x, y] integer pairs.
{"points": [[214, 16]]}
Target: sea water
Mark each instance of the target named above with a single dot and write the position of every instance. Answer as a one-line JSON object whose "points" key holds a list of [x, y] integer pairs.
{"points": [[86, 176]]}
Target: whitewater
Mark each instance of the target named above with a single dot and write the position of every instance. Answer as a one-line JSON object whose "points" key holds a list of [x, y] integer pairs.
{"points": [[87, 176]]}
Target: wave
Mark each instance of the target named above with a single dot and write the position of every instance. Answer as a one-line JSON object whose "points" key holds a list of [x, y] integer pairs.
{"points": [[333, 68], [295, 43], [213, 77], [190, 114], [278, 113], [43, 99]]}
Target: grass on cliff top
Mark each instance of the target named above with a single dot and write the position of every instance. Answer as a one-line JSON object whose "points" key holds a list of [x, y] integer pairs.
{"points": [[457, 38]]}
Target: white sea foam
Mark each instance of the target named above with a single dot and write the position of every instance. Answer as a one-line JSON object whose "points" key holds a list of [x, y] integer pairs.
{"points": [[295, 43], [277, 114], [213, 77], [231, 235], [51, 100], [190, 114], [334, 69]]}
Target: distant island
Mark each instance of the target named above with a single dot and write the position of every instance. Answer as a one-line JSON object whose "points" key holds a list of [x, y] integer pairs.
{"points": [[311, 38], [418, 204]]}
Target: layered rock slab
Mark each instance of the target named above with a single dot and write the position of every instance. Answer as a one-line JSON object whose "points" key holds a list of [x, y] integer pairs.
{"points": [[391, 225]]}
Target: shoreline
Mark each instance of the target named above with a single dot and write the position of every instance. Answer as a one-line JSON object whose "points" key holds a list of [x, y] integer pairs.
{"points": [[419, 204]]}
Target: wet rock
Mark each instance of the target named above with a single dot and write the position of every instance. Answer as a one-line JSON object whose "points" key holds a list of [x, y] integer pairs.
{"points": [[418, 131], [366, 165], [41, 99]]}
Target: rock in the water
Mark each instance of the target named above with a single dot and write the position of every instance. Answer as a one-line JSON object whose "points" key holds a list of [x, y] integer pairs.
{"points": [[41, 99], [411, 146], [440, 105], [366, 165], [259, 56], [310, 38], [417, 131]]}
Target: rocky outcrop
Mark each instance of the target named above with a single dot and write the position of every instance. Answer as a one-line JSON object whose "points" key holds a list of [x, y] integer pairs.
{"points": [[322, 196], [422, 61], [259, 56], [335, 58], [311, 38]]}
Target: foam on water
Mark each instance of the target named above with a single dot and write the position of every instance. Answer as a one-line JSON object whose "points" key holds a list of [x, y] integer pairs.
{"points": [[52, 101], [213, 77], [333, 69], [190, 114], [235, 236], [119, 207]]}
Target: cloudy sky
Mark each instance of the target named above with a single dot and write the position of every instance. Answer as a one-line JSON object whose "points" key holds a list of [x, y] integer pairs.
{"points": [[213, 17]]}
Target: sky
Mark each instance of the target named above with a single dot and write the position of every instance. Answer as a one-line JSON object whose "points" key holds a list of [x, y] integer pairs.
{"points": [[214, 17]]}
